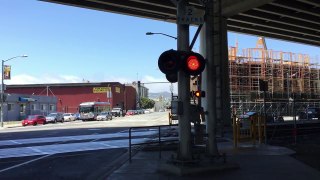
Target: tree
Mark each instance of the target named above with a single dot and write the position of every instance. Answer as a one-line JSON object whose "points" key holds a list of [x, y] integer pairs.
{"points": [[147, 103]]}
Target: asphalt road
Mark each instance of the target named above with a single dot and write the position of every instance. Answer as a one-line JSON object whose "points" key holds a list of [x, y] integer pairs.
{"points": [[71, 150]]}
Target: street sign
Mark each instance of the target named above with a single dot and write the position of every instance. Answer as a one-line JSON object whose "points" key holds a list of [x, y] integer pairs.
{"points": [[192, 16]]}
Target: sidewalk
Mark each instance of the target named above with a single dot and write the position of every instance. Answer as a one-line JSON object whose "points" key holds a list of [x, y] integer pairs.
{"points": [[11, 124], [262, 162]]}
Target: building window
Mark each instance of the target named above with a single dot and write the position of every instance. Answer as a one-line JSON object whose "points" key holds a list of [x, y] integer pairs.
{"points": [[43, 107], [51, 107], [33, 107], [22, 108], [10, 107]]}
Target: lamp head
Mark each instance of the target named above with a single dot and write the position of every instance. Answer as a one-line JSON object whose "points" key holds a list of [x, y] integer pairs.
{"points": [[149, 33]]}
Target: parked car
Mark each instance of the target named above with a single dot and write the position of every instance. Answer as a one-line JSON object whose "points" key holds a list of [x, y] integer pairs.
{"points": [[310, 113], [69, 117], [140, 111], [130, 112], [34, 120], [54, 117], [116, 112], [77, 115], [103, 116]]}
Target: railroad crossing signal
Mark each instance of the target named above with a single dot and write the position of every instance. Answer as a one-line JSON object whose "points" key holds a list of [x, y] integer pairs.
{"points": [[198, 94], [171, 61]]}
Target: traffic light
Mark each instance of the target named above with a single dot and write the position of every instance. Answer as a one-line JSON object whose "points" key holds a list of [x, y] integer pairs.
{"points": [[169, 64], [198, 94], [171, 61], [193, 64]]}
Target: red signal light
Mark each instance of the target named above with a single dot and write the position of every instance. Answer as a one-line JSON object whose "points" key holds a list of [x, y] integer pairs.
{"points": [[171, 62], [193, 63], [197, 94]]}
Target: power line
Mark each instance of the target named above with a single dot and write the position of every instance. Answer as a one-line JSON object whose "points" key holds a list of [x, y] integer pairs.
{"points": [[154, 82]]}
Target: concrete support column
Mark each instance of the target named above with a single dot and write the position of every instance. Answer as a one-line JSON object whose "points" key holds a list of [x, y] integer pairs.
{"points": [[216, 76], [203, 51], [225, 79], [184, 89], [211, 115]]}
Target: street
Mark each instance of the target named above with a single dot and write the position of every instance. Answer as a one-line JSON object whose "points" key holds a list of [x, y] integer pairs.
{"points": [[71, 150]]}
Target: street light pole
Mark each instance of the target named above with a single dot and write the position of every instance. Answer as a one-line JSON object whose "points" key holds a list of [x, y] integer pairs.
{"points": [[2, 85], [2, 91], [151, 33]]}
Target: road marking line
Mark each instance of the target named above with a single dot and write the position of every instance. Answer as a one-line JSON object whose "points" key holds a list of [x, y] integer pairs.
{"points": [[68, 138], [15, 142], [18, 165], [94, 140], [107, 145], [36, 150], [124, 131]]}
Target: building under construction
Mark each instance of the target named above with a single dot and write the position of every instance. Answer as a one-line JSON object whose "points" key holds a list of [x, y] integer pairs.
{"points": [[293, 80]]}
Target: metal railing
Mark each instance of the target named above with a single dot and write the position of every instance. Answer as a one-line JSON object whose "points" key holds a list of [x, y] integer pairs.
{"points": [[158, 136]]}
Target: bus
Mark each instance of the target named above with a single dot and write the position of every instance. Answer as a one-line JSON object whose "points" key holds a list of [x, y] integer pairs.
{"points": [[90, 110]]}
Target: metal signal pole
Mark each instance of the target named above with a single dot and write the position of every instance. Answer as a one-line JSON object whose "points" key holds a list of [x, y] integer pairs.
{"points": [[183, 88]]}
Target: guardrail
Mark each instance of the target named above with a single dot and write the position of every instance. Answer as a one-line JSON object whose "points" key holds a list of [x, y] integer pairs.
{"points": [[290, 129], [159, 141]]}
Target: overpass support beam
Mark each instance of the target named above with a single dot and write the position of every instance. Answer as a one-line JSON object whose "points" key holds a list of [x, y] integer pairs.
{"points": [[216, 79], [233, 7]]}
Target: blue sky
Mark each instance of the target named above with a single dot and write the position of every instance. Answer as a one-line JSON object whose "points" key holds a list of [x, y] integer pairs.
{"points": [[68, 44]]}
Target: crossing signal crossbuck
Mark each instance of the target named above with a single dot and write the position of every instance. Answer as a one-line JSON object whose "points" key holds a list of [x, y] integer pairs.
{"points": [[171, 61]]}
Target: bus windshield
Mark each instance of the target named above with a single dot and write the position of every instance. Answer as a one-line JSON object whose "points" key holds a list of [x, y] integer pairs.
{"points": [[85, 109]]}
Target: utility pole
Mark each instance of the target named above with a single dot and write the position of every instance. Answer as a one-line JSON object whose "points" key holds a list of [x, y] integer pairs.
{"points": [[183, 88], [139, 94]]}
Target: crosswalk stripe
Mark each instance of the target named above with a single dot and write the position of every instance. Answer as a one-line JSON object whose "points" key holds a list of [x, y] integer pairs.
{"points": [[69, 138], [65, 148], [66, 144]]}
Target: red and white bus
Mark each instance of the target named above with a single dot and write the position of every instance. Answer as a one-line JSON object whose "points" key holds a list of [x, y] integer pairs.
{"points": [[90, 110]]}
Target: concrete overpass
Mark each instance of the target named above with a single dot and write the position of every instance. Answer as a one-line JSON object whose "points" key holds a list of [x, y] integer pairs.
{"points": [[291, 20]]}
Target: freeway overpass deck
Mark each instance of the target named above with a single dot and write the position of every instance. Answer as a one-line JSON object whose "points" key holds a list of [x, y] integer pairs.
{"points": [[290, 20]]}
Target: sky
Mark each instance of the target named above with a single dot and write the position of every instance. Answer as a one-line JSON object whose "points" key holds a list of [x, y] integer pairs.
{"points": [[68, 44]]}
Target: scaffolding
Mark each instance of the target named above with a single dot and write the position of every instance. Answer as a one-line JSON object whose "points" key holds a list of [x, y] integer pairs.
{"points": [[290, 76]]}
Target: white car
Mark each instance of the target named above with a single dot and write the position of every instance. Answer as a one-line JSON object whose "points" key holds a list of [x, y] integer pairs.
{"points": [[104, 116], [69, 117], [54, 117]]}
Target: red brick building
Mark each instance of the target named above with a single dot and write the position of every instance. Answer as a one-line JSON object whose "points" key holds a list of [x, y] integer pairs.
{"points": [[70, 95]]}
